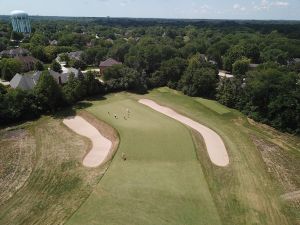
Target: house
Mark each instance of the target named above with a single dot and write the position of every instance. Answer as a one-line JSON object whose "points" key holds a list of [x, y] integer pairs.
{"points": [[29, 81], [213, 62], [253, 66], [60, 78], [14, 52], [77, 72], [225, 74], [203, 57], [63, 78], [108, 63], [296, 60], [23, 82], [53, 42], [75, 55], [28, 62]]}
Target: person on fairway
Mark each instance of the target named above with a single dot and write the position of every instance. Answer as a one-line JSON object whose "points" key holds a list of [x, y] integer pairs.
{"points": [[124, 156]]}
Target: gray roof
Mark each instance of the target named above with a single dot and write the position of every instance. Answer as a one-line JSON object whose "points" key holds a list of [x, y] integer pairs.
{"points": [[15, 52], [296, 60], [77, 73], [75, 55], [36, 76], [59, 77], [23, 82], [253, 65]]}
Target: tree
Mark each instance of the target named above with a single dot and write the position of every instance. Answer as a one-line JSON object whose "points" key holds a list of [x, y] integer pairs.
{"points": [[9, 67], [17, 36], [79, 64], [119, 50], [199, 82], [272, 96], [240, 67], [274, 55], [38, 39], [55, 66], [39, 66], [16, 105], [229, 92], [74, 90], [39, 53], [235, 53], [172, 70], [93, 86], [120, 77], [48, 93]]}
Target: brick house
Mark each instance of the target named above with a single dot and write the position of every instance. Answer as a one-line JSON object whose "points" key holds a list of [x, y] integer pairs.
{"points": [[107, 63]]}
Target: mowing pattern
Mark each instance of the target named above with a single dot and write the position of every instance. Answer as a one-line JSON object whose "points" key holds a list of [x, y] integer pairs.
{"points": [[214, 143], [161, 182], [58, 183], [17, 153]]}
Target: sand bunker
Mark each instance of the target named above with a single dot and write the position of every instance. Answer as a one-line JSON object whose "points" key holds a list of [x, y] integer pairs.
{"points": [[214, 144], [101, 145]]}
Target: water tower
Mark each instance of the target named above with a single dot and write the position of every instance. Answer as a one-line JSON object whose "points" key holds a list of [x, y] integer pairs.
{"points": [[20, 22]]}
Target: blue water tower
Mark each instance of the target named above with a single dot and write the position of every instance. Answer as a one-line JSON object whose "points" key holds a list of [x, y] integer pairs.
{"points": [[20, 22]]}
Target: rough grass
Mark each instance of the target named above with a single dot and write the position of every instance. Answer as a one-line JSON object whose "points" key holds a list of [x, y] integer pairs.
{"points": [[161, 182], [58, 183], [245, 192], [17, 154]]}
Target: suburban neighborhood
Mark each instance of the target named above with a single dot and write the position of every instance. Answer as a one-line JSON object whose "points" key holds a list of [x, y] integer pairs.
{"points": [[123, 112]]}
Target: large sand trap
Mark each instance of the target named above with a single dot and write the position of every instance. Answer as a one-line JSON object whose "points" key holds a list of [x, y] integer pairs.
{"points": [[101, 145], [214, 144]]}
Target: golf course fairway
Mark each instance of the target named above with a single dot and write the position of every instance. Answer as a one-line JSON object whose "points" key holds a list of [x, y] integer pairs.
{"points": [[168, 177], [161, 182]]}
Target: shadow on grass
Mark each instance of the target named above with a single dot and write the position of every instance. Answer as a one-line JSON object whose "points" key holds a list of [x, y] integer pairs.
{"points": [[71, 111]]}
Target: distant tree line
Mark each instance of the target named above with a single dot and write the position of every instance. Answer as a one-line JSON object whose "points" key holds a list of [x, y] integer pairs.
{"points": [[181, 54]]}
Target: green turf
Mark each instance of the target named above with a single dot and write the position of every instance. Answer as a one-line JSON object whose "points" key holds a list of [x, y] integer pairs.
{"points": [[213, 105], [244, 193], [160, 183]]}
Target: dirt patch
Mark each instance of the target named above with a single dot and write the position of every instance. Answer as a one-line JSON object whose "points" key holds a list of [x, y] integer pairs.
{"points": [[283, 165], [284, 140]]}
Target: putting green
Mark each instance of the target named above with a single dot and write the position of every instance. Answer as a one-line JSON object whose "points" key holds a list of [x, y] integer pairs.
{"points": [[160, 183]]}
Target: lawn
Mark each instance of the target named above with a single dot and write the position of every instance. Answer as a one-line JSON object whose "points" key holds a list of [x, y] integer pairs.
{"points": [[167, 178], [213, 105], [161, 182]]}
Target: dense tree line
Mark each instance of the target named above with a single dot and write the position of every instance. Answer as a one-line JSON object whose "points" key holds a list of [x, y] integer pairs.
{"points": [[181, 54], [46, 97]]}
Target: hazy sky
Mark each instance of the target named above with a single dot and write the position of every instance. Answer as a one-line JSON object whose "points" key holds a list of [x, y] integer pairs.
{"points": [[200, 9]]}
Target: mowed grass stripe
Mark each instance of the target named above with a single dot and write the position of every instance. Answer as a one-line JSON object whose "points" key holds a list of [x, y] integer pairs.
{"points": [[213, 105], [160, 183]]}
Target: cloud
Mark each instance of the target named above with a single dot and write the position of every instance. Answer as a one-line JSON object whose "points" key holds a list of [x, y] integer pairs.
{"points": [[266, 4], [125, 2], [239, 7], [278, 3]]}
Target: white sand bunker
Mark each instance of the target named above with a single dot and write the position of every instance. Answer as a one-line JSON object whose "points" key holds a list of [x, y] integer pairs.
{"points": [[101, 145], [214, 144]]}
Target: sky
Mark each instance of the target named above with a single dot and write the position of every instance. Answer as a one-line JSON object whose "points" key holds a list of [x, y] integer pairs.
{"points": [[190, 9]]}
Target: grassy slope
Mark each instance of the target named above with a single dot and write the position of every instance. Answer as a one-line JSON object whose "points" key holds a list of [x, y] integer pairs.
{"points": [[160, 183], [244, 193], [58, 183]]}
